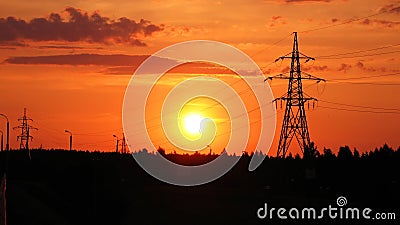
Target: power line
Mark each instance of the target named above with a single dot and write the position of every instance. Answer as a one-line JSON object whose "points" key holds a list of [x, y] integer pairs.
{"points": [[359, 106], [358, 56], [339, 24], [360, 51], [365, 77], [273, 44], [357, 110], [367, 83], [99, 133]]}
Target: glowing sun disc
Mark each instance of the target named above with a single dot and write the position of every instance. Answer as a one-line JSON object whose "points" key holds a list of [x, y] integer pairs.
{"points": [[192, 123]]}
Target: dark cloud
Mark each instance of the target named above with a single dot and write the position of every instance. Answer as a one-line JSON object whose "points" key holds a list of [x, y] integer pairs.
{"points": [[307, 68], [119, 70], [274, 18], [80, 26], [116, 64], [360, 65], [315, 68], [66, 47], [7, 48], [81, 59], [384, 23], [276, 21], [13, 43], [344, 67], [286, 69], [391, 8], [190, 68], [59, 47], [303, 1]]}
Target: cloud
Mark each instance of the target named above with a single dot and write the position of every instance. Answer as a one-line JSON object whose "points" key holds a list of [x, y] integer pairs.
{"points": [[302, 1], [190, 68], [59, 47], [391, 8], [307, 68], [116, 64], [79, 26], [360, 65], [119, 70], [315, 68], [82, 59], [344, 67], [7, 48], [276, 20], [384, 23]]}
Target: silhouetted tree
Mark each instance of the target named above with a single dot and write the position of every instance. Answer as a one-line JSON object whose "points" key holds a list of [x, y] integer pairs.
{"points": [[383, 152], [328, 154], [345, 153], [356, 153], [289, 156], [311, 152], [161, 151]]}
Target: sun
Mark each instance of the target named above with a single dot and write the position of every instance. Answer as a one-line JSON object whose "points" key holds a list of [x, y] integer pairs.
{"points": [[192, 124]]}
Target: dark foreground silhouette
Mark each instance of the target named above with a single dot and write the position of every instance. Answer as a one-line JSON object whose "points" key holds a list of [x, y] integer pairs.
{"points": [[63, 187]]}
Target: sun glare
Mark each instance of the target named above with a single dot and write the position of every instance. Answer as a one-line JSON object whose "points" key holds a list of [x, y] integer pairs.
{"points": [[192, 124]]}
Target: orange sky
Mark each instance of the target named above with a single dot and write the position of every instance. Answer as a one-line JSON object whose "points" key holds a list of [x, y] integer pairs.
{"points": [[71, 65]]}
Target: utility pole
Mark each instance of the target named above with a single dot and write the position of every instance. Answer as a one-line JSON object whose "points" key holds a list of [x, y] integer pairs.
{"points": [[7, 131], [70, 139], [25, 128], [1, 145], [116, 146], [295, 120]]}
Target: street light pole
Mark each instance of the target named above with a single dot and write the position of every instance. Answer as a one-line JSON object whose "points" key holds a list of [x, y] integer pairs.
{"points": [[210, 148], [8, 132], [1, 145], [116, 146], [70, 139]]}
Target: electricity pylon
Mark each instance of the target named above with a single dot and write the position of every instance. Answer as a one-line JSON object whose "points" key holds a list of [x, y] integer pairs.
{"points": [[25, 128], [295, 120]]}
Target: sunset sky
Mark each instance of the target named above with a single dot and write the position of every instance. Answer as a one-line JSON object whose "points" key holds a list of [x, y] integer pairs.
{"points": [[69, 62]]}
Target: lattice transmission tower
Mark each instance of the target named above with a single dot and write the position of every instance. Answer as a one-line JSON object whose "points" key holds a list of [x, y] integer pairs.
{"points": [[295, 120], [25, 136]]}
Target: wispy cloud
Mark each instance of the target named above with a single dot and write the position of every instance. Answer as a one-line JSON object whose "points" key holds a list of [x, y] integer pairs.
{"points": [[190, 68], [307, 68], [301, 1], [391, 8], [361, 65], [383, 23], [315, 68], [79, 26], [276, 21], [117, 64], [344, 67], [83, 59]]}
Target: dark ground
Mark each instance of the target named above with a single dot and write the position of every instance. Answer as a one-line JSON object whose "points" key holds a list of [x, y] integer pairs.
{"points": [[62, 187]]}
